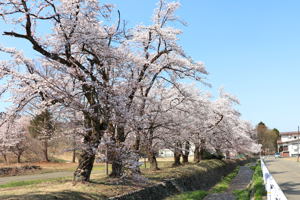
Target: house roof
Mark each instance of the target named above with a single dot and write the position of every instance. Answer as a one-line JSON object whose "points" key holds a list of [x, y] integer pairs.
{"points": [[289, 133], [290, 141]]}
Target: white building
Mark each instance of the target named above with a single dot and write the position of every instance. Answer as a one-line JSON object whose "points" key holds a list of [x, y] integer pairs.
{"points": [[288, 144], [169, 153], [165, 153]]}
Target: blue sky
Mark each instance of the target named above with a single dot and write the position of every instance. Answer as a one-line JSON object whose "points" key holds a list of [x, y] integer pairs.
{"points": [[250, 47]]}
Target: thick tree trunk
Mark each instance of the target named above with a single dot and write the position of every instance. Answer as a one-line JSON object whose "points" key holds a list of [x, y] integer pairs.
{"points": [[136, 149], [185, 158], [185, 155], [177, 154], [152, 160], [198, 153], [45, 151], [136, 145], [117, 165], [177, 159], [91, 142], [85, 166], [117, 169]]}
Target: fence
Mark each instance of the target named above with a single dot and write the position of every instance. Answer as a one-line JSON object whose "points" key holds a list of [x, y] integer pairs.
{"points": [[273, 190]]}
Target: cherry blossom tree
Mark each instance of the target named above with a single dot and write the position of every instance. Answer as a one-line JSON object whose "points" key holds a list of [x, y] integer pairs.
{"points": [[232, 134], [73, 67], [125, 84], [13, 137], [154, 57]]}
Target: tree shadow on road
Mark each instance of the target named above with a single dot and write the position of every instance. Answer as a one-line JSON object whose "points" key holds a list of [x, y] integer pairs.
{"points": [[290, 188], [279, 172]]}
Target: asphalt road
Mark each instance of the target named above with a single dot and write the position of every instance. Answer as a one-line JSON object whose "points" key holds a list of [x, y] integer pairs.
{"points": [[286, 172]]}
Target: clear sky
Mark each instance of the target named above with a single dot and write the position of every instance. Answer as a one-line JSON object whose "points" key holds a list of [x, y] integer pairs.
{"points": [[251, 47]]}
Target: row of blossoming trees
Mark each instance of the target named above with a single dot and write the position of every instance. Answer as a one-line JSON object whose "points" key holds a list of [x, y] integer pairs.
{"points": [[114, 87]]}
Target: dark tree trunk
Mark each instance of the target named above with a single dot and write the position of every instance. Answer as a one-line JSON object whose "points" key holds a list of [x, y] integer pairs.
{"points": [[151, 154], [177, 159], [74, 156], [117, 165], [19, 158], [117, 169], [5, 158], [185, 155], [18, 151], [197, 157], [45, 151], [136, 145], [177, 154], [74, 150], [198, 153], [136, 148], [85, 166], [152, 160], [185, 159], [91, 142]]}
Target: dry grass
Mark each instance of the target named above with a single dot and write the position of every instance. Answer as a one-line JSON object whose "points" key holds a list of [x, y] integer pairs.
{"points": [[101, 186], [46, 167]]}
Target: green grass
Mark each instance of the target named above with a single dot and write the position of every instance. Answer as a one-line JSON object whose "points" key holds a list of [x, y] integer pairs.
{"points": [[223, 185], [199, 194], [57, 160], [31, 182], [257, 186], [101, 185], [242, 194], [258, 183]]}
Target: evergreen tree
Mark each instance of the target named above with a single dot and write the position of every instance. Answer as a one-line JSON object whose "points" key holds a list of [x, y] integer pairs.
{"points": [[42, 128]]}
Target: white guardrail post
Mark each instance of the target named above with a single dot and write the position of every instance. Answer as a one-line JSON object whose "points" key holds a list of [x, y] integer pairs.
{"points": [[273, 190]]}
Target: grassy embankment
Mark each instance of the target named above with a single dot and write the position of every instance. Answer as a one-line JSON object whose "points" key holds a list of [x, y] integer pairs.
{"points": [[257, 186], [100, 187], [222, 186]]}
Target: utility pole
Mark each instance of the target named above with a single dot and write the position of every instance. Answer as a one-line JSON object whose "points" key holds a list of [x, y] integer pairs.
{"points": [[298, 146]]}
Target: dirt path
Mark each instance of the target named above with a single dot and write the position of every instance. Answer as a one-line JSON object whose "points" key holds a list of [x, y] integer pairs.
{"points": [[240, 182], [5, 180]]}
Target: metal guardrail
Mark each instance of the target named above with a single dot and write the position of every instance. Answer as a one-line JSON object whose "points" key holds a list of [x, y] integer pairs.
{"points": [[273, 190]]}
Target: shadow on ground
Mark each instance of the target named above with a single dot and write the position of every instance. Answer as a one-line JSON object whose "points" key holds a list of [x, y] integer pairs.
{"points": [[279, 172], [64, 195], [290, 188]]}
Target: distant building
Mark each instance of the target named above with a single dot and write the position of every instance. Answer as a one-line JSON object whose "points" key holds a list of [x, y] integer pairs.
{"points": [[288, 144], [165, 153]]}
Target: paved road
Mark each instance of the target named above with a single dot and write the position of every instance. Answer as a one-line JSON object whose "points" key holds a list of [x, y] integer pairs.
{"points": [[286, 172]]}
